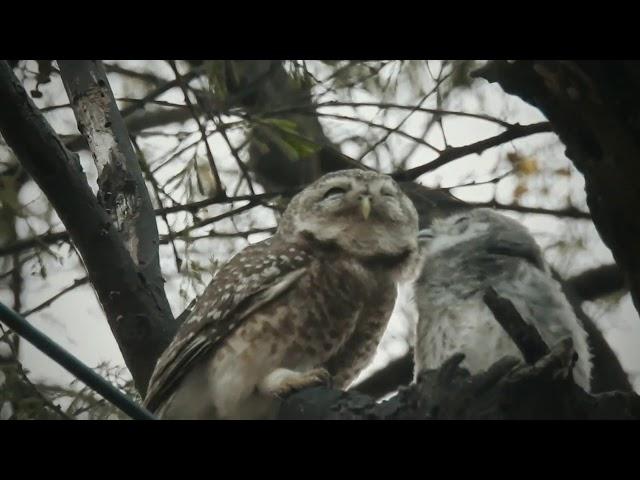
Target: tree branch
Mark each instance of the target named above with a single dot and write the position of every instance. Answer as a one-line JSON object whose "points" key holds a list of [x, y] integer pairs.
{"points": [[193, 207], [76, 283], [386, 380], [607, 373], [146, 119], [136, 308], [569, 212], [454, 153], [505, 391], [598, 282], [592, 106], [525, 336], [543, 389]]}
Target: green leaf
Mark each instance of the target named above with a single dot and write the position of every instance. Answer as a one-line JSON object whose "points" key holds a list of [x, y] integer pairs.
{"points": [[282, 124], [283, 133], [303, 146]]}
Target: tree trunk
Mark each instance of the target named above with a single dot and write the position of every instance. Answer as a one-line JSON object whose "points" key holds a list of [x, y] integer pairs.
{"points": [[594, 108], [128, 283]]}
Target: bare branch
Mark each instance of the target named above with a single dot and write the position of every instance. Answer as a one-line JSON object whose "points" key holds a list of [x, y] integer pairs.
{"points": [[183, 85], [147, 119], [524, 335], [122, 192], [569, 212], [76, 283], [454, 153], [598, 282], [51, 238], [136, 307]]}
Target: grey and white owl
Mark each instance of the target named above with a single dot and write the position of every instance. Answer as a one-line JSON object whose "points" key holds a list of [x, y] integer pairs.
{"points": [[464, 252], [307, 305]]}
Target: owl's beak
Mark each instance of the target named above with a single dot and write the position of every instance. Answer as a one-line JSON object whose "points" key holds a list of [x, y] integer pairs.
{"points": [[365, 206]]}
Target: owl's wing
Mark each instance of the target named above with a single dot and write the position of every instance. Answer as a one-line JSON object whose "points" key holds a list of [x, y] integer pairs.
{"points": [[256, 276]]}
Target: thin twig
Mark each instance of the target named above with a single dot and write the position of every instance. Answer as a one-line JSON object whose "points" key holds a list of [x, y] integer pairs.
{"points": [[569, 212], [217, 218], [454, 153], [156, 190], [196, 117], [76, 283]]}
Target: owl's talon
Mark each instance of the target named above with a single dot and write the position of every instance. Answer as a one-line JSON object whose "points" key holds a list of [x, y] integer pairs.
{"points": [[282, 382]]}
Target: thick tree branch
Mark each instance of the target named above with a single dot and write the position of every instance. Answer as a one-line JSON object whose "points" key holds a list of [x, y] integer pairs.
{"points": [[136, 308], [598, 282], [122, 191], [593, 107], [507, 390], [138, 119], [607, 373]]}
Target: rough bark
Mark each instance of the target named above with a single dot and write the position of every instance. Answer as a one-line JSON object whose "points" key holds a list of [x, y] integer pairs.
{"points": [[508, 390], [504, 392], [121, 189], [593, 107], [607, 373], [135, 306]]}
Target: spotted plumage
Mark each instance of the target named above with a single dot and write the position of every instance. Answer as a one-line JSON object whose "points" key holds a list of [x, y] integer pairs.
{"points": [[309, 304]]}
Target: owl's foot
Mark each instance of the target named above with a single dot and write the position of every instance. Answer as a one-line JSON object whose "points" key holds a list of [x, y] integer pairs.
{"points": [[283, 382]]}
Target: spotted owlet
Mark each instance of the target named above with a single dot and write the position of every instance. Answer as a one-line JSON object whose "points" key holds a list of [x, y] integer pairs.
{"points": [[466, 251], [307, 305]]}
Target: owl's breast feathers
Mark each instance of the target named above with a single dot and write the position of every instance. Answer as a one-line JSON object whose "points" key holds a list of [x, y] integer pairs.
{"points": [[331, 289]]}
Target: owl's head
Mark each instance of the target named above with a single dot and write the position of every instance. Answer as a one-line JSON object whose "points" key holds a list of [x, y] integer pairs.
{"points": [[362, 213], [479, 232]]}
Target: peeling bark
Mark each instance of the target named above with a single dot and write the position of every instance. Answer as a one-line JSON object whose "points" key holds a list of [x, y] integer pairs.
{"points": [[122, 191], [507, 391], [131, 294], [543, 389]]}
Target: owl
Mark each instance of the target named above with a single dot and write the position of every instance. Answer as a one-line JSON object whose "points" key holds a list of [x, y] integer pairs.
{"points": [[465, 251], [304, 307]]}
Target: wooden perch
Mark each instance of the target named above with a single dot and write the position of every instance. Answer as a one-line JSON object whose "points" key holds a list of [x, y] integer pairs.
{"points": [[525, 336], [541, 389], [592, 106], [507, 390]]}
